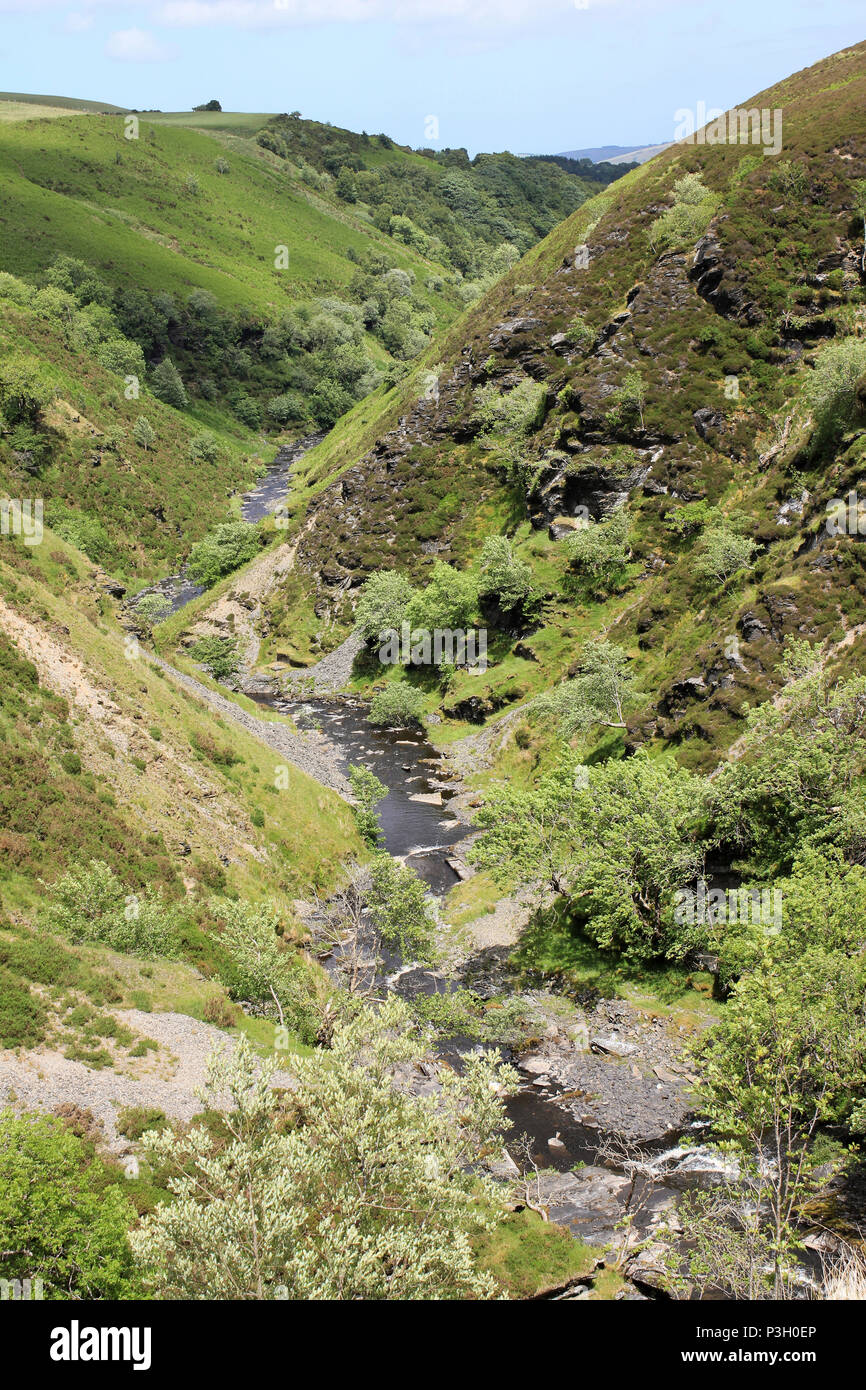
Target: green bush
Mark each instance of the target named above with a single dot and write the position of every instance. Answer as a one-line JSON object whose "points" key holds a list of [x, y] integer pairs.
{"points": [[226, 548], [397, 706], [91, 904]]}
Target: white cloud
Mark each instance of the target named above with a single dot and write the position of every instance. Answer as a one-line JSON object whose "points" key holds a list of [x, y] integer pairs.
{"points": [[137, 46]]}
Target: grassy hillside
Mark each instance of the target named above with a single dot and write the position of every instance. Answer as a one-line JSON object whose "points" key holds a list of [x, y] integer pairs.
{"points": [[673, 374]]}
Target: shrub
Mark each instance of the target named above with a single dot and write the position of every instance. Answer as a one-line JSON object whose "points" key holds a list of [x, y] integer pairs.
{"points": [[135, 1120], [60, 1221], [218, 654], [685, 223], [831, 389], [22, 1017], [397, 706], [91, 904], [226, 548], [723, 553], [382, 604]]}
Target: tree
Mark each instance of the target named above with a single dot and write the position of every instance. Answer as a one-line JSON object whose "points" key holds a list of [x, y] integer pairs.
{"points": [[143, 433], [208, 106], [369, 1193], [787, 1055], [226, 548], [504, 579], [167, 386], [90, 903], [262, 968], [622, 884], [599, 695], [382, 605], [448, 602], [401, 909], [151, 610], [24, 390], [722, 552], [368, 791], [830, 388], [59, 1221], [397, 706], [600, 553]]}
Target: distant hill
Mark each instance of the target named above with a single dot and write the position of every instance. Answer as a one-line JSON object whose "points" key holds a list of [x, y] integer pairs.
{"points": [[616, 154], [64, 103]]}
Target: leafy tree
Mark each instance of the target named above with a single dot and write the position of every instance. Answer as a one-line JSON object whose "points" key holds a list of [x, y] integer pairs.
{"points": [[382, 605], [397, 706], [167, 386], [151, 610], [218, 654], [830, 388], [226, 548], [723, 553], [368, 791], [143, 433], [600, 553], [448, 602], [59, 1221], [262, 968], [375, 1194], [400, 906], [24, 389], [622, 884], [599, 695], [785, 1058], [504, 578], [796, 776], [92, 904]]}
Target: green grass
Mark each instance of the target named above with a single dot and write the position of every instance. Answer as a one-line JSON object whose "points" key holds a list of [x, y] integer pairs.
{"points": [[530, 1257]]}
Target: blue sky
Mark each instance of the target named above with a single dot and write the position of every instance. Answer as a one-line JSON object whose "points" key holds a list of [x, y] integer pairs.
{"points": [[524, 75]]}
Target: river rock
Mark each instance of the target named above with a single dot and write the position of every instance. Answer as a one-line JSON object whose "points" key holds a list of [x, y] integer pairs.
{"points": [[613, 1047]]}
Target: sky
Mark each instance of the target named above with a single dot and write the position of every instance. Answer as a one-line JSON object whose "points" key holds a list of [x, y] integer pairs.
{"points": [[531, 76]]}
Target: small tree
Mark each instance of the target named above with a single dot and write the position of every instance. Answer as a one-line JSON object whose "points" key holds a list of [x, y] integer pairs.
{"points": [[382, 605], [151, 610], [262, 968], [504, 578], [600, 553], [723, 552], [397, 706], [143, 433], [368, 791], [402, 910], [599, 695], [374, 1194], [61, 1221], [167, 386]]}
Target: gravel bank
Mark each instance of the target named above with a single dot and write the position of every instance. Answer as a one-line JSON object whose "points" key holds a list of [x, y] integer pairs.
{"points": [[311, 752]]}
